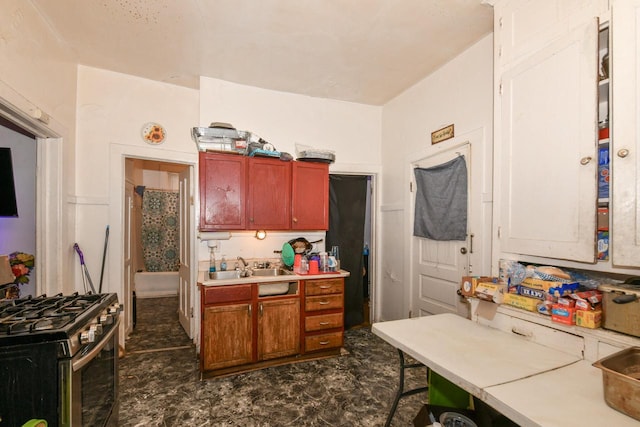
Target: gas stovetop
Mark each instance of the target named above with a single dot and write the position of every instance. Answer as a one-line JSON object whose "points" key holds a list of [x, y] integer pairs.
{"points": [[56, 318]]}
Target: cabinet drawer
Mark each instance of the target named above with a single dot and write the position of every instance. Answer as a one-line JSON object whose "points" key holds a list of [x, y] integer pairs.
{"points": [[325, 321], [323, 302], [323, 342], [323, 286], [232, 293]]}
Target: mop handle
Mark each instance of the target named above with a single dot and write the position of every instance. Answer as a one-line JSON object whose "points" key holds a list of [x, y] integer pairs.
{"points": [[77, 248]]}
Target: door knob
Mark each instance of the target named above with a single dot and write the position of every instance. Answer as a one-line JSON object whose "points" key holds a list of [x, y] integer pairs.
{"points": [[463, 251], [585, 160], [622, 153]]}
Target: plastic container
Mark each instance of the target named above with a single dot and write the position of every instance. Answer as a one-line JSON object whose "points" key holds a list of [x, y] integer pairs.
{"points": [[313, 267], [324, 262]]}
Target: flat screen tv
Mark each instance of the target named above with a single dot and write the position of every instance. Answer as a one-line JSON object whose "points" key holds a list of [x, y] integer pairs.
{"points": [[8, 205]]}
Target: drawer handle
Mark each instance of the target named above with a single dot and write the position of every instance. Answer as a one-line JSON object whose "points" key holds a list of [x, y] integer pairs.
{"points": [[324, 323], [324, 342], [521, 333], [325, 286], [324, 302]]}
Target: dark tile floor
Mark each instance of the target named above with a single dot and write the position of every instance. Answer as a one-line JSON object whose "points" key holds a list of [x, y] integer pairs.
{"points": [[160, 385]]}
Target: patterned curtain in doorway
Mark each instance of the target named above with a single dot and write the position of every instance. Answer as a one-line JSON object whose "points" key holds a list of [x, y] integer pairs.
{"points": [[160, 230]]}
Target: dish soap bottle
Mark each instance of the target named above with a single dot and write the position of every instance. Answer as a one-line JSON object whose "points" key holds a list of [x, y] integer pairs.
{"points": [[223, 264], [212, 262]]}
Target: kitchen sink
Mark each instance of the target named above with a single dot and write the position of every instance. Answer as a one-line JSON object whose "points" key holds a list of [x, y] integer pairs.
{"points": [[222, 275], [270, 272]]}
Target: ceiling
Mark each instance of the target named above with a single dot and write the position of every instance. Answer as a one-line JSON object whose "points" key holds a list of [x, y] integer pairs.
{"points": [[365, 51]]}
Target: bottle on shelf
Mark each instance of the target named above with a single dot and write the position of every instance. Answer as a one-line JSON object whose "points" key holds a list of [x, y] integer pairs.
{"points": [[212, 261]]}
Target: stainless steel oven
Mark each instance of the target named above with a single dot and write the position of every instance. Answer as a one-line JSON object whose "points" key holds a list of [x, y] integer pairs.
{"points": [[89, 385], [59, 359]]}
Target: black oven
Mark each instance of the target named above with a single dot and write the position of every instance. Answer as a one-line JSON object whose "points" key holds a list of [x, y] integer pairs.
{"points": [[59, 360]]}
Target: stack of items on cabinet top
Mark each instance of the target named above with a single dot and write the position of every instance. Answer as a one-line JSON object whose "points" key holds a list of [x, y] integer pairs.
{"points": [[568, 297], [224, 137]]}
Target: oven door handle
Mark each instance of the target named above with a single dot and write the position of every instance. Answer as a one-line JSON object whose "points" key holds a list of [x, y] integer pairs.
{"points": [[79, 364]]}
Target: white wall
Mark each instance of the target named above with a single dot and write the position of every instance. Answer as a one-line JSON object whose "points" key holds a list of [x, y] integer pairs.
{"points": [[37, 72], [351, 130], [112, 110], [19, 234], [459, 93]]}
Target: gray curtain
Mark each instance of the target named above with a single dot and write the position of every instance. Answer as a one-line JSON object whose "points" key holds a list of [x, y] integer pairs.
{"points": [[441, 201]]}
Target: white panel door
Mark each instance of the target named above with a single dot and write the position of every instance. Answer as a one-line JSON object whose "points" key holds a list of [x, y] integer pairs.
{"points": [[438, 266], [548, 165], [185, 297], [625, 161], [127, 262]]}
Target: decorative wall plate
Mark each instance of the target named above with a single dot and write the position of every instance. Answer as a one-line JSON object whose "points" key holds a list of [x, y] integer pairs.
{"points": [[153, 133]]}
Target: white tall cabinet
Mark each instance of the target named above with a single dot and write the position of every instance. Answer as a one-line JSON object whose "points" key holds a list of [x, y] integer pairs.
{"points": [[625, 158], [546, 131]]}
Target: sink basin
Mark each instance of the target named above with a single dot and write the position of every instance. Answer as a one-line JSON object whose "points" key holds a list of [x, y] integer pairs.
{"points": [[221, 275], [270, 272]]}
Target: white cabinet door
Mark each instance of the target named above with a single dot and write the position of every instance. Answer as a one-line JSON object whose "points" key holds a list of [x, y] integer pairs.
{"points": [[547, 160], [625, 161]]}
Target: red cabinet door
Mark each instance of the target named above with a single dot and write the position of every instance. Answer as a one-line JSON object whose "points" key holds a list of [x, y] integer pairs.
{"points": [[310, 196], [268, 200], [222, 191]]}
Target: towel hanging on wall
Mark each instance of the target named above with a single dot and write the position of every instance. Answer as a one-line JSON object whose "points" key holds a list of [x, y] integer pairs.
{"points": [[441, 201]]}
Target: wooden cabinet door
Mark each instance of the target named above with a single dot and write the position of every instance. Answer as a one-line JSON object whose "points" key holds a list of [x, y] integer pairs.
{"points": [[227, 336], [268, 200], [222, 191], [278, 328], [546, 158], [624, 154], [310, 196]]}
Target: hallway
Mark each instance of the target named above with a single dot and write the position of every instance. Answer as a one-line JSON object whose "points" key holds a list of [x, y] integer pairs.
{"points": [[160, 385]]}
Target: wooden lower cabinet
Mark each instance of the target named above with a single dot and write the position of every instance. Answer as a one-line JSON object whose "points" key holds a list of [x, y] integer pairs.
{"points": [[323, 314], [241, 330], [227, 334], [278, 328]]}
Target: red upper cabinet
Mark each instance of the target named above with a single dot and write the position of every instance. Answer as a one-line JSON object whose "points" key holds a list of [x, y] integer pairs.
{"points": [[310, 196], [222, 191], [268, 194]]}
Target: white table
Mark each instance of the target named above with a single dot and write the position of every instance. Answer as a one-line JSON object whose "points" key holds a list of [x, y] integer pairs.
{"points": [[531, 384]]}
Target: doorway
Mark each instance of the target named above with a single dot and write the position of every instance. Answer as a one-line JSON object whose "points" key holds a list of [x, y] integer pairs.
{"points": [[350, 229], [157, 237]]}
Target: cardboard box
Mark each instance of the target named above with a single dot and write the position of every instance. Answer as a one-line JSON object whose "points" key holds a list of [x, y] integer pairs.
{"points": [[563, 314], [603, 172], [531, 292], [469, 283], [603, 219], [588, 300], [489, 291], [520, 301], [603, 245], [589, 318], [556, 289]]}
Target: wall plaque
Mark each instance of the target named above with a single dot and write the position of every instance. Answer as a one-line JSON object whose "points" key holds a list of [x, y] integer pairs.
{"points": [[442, 134]]}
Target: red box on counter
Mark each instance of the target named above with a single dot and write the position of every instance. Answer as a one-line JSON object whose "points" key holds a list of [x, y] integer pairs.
{"points": [[603, 133], [587, 300], [563, 314]]}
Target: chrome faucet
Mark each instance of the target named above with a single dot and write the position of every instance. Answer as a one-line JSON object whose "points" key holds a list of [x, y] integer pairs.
{"points": [[244, 263]]}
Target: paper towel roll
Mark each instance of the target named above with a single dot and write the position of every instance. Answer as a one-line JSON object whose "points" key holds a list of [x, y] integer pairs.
{"points": [[214, 235]]}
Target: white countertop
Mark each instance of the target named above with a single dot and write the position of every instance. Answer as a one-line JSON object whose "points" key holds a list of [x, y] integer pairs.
{"points": [[266, 279], [531, 384]]}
